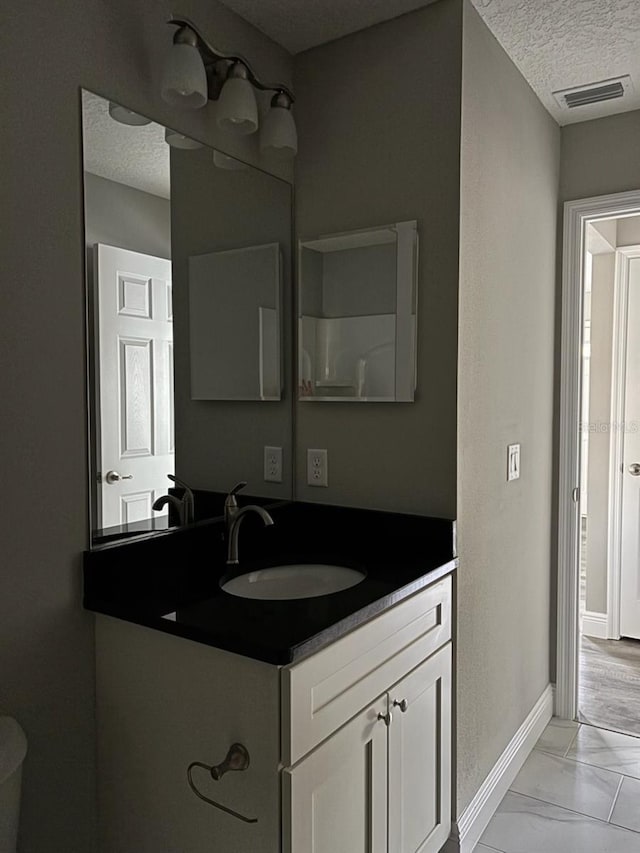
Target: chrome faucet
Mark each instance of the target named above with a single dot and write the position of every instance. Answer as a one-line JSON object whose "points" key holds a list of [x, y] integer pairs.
{"points": [[231, 508], [234, 529], [183, 506]]}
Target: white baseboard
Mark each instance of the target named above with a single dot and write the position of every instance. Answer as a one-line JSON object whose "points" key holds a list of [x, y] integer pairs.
{"points": [[594, 624], [473, 821]]}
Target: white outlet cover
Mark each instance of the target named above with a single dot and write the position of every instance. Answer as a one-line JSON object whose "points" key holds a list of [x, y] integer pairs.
{"points": [[513, 462], [273, 464], [317, 467]]}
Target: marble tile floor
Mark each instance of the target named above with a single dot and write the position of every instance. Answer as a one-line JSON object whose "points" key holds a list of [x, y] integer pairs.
{"points": [[578, 792]]}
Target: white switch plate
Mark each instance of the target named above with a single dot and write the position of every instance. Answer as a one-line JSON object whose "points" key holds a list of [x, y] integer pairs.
{"points": [[317, 473], [513, 462], [273, 464]]}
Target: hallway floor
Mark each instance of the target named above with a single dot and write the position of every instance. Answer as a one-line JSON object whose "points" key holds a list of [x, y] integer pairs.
{"points": [[578, 792], [609, 684]]}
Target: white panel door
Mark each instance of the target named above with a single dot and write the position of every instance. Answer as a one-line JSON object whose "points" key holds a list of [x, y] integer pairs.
{"points": [[420, 758], [335, 799], [630, 551], [135, 400]]}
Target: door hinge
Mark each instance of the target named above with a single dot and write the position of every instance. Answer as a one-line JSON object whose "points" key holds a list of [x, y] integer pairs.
{"points": [[575, 495]]}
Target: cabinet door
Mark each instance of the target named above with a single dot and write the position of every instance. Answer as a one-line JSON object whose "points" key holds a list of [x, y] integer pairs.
{"points": [[420, 757], [335, 799]]}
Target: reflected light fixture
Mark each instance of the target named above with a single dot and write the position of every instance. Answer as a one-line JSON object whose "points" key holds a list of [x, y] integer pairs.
{"points": [[196, 72], [179, 140], [224, 161], [278, 134], [125, 116]]}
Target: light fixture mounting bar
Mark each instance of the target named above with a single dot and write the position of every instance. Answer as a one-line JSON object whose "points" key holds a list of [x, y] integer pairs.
{"points": [[211, 55]]}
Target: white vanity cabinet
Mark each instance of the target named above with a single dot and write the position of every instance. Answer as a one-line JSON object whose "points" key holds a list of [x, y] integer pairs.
{"points": [[366, 732], [384, 775], [350, 747]]}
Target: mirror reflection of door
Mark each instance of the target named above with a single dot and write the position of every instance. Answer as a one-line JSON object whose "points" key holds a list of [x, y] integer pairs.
{"points": [[135, 401]]}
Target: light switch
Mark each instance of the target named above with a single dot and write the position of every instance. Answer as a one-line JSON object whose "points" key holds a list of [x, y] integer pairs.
{"points": [[513, 462]]}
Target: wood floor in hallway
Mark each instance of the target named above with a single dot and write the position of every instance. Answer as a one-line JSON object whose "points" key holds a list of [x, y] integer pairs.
{"points": [[609, 684]]}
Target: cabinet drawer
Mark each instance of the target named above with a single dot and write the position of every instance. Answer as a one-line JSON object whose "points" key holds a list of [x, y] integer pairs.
{"points": [[322, 692]]}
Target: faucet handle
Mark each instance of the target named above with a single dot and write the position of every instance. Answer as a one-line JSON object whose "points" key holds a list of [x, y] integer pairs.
{"points": [[179, 482], [187, 499], [230, 502]]}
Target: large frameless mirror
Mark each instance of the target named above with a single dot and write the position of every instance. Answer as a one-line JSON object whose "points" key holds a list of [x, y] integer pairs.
{"points": [[189, 291]]}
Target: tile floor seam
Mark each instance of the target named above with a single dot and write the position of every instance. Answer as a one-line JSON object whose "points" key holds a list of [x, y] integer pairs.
{"points": [[599, 767], [552, 754], [615, 800], [602, 728], [573, 739], [573, 811]]}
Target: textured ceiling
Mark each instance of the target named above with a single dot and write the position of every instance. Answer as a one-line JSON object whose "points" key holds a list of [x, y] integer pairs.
{"points": [[561, 43], [555, 43], [135, 156]]}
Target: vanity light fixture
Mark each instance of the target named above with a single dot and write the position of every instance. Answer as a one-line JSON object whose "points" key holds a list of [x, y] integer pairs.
{"points": [[125, 116], [278, 134], [184, 83], [196, 72], [237, 105]]}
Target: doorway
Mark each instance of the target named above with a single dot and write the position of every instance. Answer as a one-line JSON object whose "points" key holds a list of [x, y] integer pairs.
{"points": [[598, 677], [609, 617]]}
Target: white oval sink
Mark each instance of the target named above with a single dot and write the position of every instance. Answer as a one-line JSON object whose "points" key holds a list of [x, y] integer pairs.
{"points": [[302, 580]]}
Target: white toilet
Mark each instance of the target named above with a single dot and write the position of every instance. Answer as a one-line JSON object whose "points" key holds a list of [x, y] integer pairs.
{"points": [[13, 748]]}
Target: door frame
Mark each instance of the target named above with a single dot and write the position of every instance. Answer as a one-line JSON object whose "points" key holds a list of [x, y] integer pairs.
{"points": [[577, 215]]}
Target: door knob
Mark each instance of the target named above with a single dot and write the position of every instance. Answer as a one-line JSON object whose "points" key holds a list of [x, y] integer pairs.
{"points": [[634, 469], [113, 477], [386, 718], [402, 704]]}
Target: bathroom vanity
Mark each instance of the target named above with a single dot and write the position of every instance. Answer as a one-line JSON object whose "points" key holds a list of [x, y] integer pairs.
{"points": [[343, 701]]}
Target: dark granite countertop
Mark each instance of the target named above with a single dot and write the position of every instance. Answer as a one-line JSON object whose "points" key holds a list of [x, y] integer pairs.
{"points": [[179, 572]]}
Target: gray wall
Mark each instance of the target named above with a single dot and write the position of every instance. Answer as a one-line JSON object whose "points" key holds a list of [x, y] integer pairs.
{"points": [[509, 180], [46, 639], [378, 116], [602, 286], [600, 156], [629, 231], [122, 216], [360, 281]]}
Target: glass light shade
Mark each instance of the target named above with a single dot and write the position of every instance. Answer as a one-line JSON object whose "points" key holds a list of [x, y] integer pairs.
{"points": [[179, 140], [185, 80], [278, 136], [125, 116], [237, 107], [224, 161]]}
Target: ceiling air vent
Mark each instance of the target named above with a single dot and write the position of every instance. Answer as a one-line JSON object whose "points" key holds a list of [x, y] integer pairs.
{"points": [[593, 93]]}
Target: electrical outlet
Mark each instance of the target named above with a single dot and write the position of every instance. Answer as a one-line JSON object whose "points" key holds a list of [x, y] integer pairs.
{"points": [[273, 464], [317, 473], [513, 462]]}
